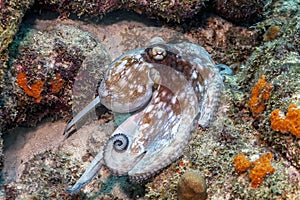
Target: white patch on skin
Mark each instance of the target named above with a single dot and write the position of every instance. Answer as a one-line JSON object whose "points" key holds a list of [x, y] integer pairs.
{"points": [[144, 126], [156, 100], [194, 75], [130, 92], [120, 67], [122, 81], [149, 108], [175, 129], [159, 114], [173, 100], [163, 93], [140, 89], [138, 56], [200, 87]]}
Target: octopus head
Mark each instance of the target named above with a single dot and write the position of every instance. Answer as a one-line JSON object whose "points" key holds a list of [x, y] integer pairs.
{"points": [[127, 85]]}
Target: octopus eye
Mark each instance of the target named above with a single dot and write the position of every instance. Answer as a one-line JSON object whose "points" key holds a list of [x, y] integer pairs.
{"points": [[120, 142], [158, 53]]}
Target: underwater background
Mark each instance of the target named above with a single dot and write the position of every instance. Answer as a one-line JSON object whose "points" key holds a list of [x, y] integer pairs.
{"points": [[53, 54]]}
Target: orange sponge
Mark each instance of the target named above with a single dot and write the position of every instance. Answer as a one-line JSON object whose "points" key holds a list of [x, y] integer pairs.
{"points": [[241, 163], [33, 90], [288, 123], [262, 167], [260, 93]]}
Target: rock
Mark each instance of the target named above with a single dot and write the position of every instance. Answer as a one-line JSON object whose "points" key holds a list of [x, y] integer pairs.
{"points": [[43, 67], [239, 11], [192, 186]]}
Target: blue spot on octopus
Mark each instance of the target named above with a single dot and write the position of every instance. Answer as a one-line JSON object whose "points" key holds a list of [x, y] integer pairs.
{"points": [[170, 89]]}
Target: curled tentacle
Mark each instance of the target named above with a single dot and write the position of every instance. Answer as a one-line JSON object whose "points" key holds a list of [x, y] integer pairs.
{"points": [[120, 142]]}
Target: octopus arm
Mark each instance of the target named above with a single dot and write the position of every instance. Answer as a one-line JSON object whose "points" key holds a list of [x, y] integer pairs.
{"points": [[89, 174]]}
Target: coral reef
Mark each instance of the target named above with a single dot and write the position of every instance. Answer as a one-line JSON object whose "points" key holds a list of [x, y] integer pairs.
{"points": [[176, 11], [274, 53], [11, 15], [228, 44], [288, 123], [81, 7], [259, 94], [239, 11], [191, 186]]}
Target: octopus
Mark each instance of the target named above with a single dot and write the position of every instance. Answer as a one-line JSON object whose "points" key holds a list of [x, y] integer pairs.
{"points": [[169, 89]]}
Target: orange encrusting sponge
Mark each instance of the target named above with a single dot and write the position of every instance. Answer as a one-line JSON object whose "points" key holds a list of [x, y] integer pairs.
{"points": [[288, 123], [259, 94], [33, 90], [260, 168], [241, 163]]}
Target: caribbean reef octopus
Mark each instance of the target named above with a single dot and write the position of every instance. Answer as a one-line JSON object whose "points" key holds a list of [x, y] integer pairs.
{"points": [[168, 88]]}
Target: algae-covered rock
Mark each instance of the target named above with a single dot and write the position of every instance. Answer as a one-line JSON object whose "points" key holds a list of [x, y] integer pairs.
{"points": [[239, 11], [168, 10], [237, 130], [43, 67], [192, 186], [278, 60], [11, 14]]}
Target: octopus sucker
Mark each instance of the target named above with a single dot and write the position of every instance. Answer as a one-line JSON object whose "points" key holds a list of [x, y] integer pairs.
{"points": [[170, 89]]}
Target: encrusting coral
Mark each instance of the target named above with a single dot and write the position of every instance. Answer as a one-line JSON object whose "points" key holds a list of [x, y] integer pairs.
{"points": [[260, 168], [288, 123], [260, 93]]}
